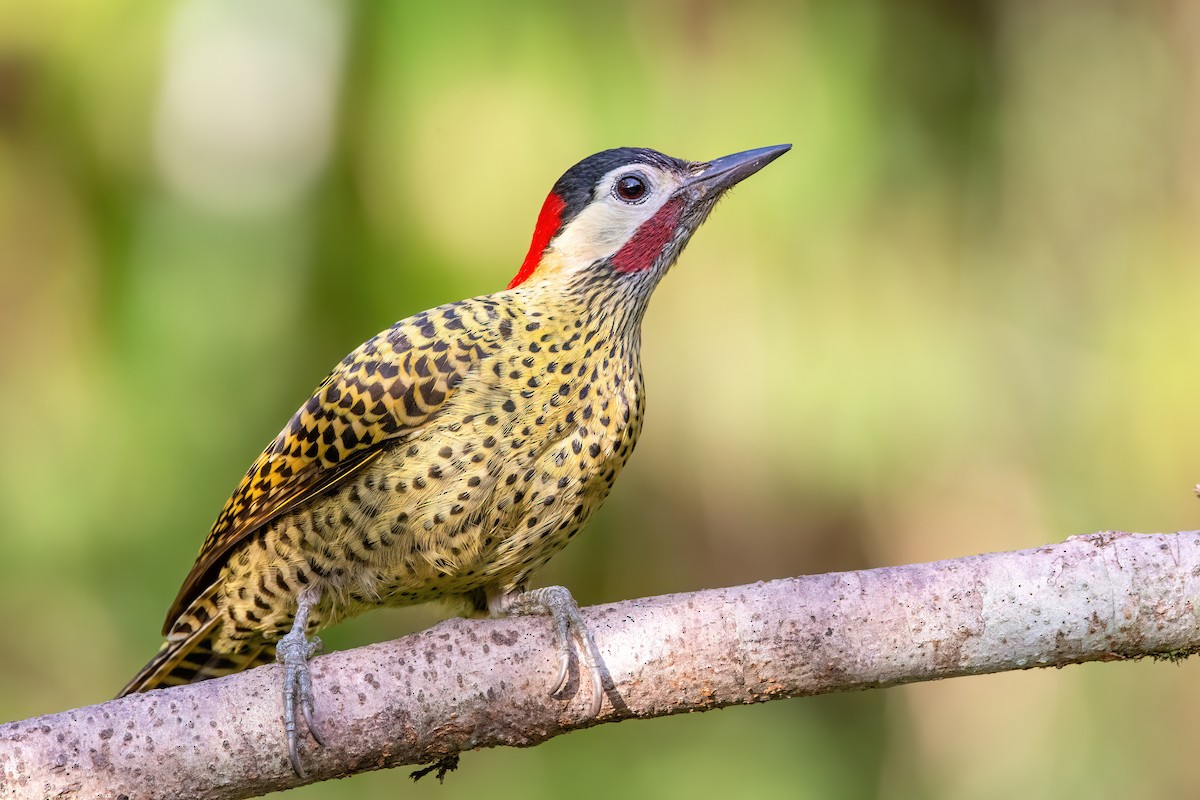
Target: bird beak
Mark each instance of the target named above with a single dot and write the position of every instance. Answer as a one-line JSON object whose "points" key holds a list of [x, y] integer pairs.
{"points": [[719, 174]]}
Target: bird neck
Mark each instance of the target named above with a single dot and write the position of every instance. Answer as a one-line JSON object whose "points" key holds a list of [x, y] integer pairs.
{"points": [[597, 302]]}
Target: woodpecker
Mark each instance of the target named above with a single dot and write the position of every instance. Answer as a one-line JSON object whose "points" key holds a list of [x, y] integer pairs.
{"points": [[454, 453]]}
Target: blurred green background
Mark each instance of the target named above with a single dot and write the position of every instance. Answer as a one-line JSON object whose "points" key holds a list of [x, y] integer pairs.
{"points": [[960, 316]]}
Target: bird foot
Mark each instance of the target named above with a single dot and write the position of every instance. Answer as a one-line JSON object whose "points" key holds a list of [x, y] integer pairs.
{"points": [[557, 603], [442, 767], [294, 651]]}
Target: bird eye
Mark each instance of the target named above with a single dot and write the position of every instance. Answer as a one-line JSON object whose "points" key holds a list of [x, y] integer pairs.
{"points": [[631, 188]]}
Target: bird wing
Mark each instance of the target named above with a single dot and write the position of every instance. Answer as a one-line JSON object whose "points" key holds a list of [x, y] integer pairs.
{"points": [[391, 385]]}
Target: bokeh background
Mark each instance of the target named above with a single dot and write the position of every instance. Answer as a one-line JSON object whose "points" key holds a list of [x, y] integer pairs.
{"points": [[960, 316]]}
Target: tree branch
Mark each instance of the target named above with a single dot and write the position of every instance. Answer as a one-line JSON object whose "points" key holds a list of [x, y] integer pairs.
{"points": [[467, 684]]}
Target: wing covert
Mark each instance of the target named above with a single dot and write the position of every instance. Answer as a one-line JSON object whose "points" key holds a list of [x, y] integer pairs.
{"points": [[392, 384]]}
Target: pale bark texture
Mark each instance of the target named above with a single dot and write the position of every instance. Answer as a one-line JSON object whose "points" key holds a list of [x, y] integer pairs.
{"points": [[467, 684]]}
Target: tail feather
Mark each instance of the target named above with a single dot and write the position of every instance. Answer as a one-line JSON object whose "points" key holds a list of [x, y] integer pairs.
{"points": [[171, 667], [189, 657], [189, 661]]}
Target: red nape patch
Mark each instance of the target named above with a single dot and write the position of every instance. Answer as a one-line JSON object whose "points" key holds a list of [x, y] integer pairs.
{"points": [[549, 220], [648, 241]]}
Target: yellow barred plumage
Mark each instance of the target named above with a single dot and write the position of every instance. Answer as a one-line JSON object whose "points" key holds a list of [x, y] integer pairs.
{"points": [[454, 453]]}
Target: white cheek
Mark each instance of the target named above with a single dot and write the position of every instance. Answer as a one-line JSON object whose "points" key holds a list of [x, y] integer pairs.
{"points": [[601, 229]]}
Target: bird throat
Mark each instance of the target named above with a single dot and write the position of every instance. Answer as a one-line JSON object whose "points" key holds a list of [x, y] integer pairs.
{"points": [[648, 241]]}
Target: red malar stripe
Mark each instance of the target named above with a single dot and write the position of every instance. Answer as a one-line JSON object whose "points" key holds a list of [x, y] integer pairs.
{"points": [[548, 223], [648, 241]]}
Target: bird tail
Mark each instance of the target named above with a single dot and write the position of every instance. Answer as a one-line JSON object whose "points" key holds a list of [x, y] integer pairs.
{"points": [[188, 656], [177, 663]]}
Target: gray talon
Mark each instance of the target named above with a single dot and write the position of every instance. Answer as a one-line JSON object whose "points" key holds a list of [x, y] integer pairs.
{"points": [[557, 603], [560, 683], [294, 651]]}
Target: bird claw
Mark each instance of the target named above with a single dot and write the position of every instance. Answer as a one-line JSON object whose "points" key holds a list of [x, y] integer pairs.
{"points": [[294, 651], [560, 606], [560, 683]]}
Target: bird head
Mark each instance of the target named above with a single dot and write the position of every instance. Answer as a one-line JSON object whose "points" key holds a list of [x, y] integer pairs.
{"points": [[623, 216]]}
